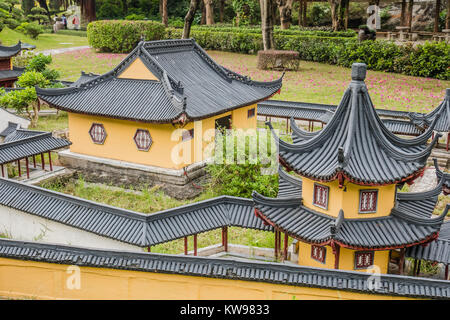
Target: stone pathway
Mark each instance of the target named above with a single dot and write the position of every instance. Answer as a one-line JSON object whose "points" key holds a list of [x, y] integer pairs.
{"points": [[62, 50]]}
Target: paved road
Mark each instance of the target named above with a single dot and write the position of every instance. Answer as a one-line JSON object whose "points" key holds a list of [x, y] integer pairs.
{"points": [[62, 50]]}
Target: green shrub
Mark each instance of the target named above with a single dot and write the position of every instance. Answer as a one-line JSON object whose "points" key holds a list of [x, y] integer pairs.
{"points": [[121, 36], [135, 16], [431, 59], [31, 29], [240, 180], [12, 23]]}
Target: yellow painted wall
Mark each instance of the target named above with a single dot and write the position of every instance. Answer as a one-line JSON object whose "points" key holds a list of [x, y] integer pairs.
{"points": [[119, 143], [39, 280], [349, 200], [346, 258], [137, 70]]}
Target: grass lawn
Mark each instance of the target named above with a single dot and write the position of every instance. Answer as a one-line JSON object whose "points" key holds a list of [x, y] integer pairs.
{"points": [[314, 82], [45, 41], [153, 200]]}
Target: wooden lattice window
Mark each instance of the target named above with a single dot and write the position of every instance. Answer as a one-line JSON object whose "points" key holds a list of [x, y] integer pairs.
{"points": [[251, 113], [142, 139], [97, 133], [318, 253], [320, 197], [363, 259], [187, 135], [368, 201]]}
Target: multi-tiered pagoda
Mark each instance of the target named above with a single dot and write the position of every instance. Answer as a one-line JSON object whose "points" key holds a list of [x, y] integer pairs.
{"points": [[346, 212]]}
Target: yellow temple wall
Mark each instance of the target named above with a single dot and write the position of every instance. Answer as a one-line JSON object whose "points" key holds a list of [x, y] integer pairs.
{"points": [[346, 258], [137, 70], [119, 143], [349, 200], [41, 280]]}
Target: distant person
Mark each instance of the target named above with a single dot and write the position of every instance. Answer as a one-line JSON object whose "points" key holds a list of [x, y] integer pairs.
{"points": [[55, 19], [76, 22], [64, 20]]}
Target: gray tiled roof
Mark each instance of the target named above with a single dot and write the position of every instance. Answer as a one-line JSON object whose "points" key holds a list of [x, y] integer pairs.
{"points": [[9, 129], [399, 229], [440, 174], [190, 85], [23, 143], [421, 204], [288, 185], [9, 51], [11, 74], [438, 251], [128, 226], [357, 145], [442, 112], [310, 111], [226, 269]]}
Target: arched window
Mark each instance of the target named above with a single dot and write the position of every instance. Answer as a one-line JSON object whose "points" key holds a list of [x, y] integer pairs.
{"points": [[143, 139], [97, 133]]}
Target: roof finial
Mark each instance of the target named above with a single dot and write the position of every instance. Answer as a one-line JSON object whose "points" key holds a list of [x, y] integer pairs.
{"points": [[359, 71], [447, 93]]}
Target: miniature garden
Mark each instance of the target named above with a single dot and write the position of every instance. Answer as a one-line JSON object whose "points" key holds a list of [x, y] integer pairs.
{"points": [[326, 39]]}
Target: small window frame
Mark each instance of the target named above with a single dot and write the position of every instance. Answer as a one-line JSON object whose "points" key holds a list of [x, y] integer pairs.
{"points": [[358, 253], [102, 141], [323, 249], [316, 185], [360, 199], [251, 113], [146, 148]]}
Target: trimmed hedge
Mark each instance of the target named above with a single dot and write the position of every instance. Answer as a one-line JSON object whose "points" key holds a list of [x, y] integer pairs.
{"points": [[277, 31], [121, 36], [427, 60]]}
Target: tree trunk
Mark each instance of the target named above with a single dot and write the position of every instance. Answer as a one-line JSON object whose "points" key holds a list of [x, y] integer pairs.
{"points": [[300, 13], [436, 15], [285, 8], [203, 19], [209, 12], [346, 12], [410, 13], [165, 17], [87, 9], [305, 8], [267, 20], [161, 7], [222, 11], [447, 20], [190, 18], [403, 14]]}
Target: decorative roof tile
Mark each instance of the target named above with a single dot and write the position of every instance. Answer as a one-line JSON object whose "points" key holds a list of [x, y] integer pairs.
{"points": [[357, 146], [190, 85]]}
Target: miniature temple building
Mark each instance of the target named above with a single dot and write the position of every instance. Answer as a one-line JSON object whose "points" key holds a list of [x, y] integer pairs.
{"points": [[441, 113], [20, 144], [9, 73], [130, 113], [349, 214]]}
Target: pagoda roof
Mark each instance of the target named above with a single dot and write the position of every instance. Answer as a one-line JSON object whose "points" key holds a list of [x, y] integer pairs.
{"points": [[401, 228], [11, 74], [288, 185], [22, 143], [442, 112], [436, 251], [356, 145], [189, 86], [10, 51]]}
